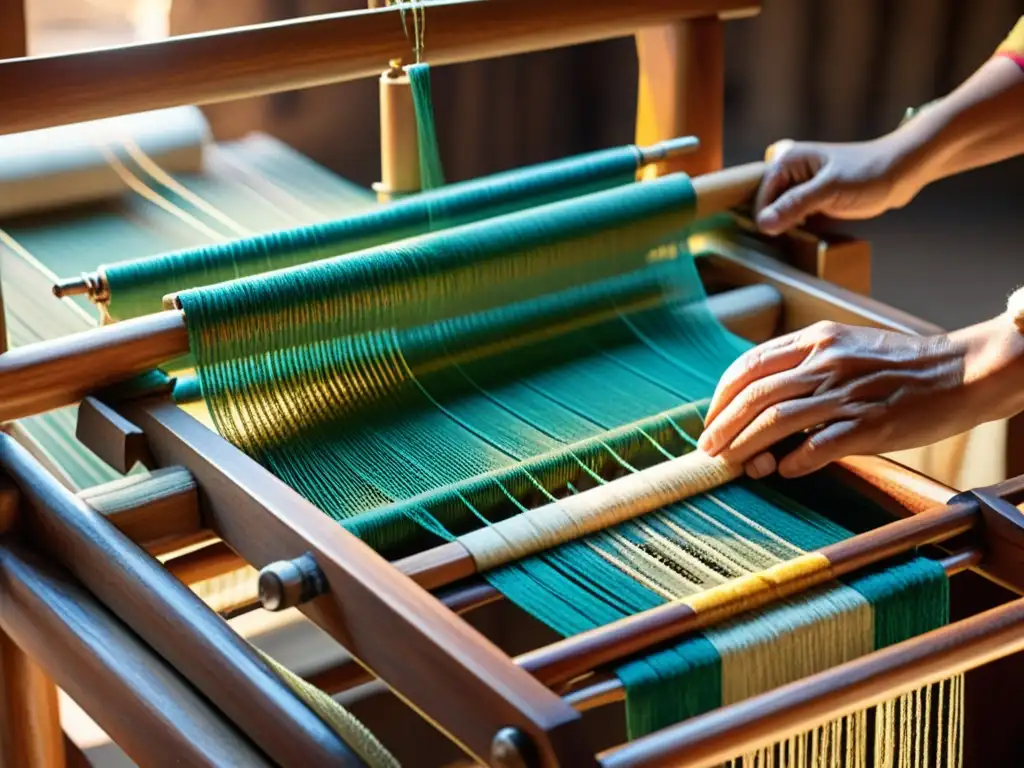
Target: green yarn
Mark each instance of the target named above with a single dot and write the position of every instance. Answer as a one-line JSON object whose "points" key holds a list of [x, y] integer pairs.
{"points": [[187, 389], [138, 286], [422, 389], [431, 172]]}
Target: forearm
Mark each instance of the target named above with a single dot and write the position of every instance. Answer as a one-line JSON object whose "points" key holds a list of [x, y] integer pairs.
{"points": [[978, 124]]}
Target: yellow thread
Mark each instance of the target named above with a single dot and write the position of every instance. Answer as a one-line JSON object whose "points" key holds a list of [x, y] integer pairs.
{"points": [[754, 585]]}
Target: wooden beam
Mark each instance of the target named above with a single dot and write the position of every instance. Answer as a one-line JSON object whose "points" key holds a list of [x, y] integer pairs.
{"points": [[30, 732], [315, 50], [681, 90], [13, 30]]}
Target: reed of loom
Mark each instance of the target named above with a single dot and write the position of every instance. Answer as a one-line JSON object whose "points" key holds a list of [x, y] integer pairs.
{"points": [[504, 714]]}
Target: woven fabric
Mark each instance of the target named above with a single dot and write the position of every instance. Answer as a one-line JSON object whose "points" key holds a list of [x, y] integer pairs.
{"points": [[418, 391]]}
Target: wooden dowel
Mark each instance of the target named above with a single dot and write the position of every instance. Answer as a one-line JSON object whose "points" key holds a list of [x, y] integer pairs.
{"points": [[317, 50], [602, 688], [718, 736], [144, 705], [591, 510], [57, 373], [399, 140], [60, 372], [170, 618], [94, 284], [567, 659]]}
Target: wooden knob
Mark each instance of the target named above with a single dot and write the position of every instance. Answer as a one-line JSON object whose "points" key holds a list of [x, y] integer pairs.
{"points": [[290, 583], [511, 748]]}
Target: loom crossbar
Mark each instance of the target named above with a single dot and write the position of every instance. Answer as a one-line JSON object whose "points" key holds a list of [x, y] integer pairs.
{"points": [[40, 92], [561, 662]]}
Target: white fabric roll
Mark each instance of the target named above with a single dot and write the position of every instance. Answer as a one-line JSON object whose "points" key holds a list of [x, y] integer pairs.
{"points": [[68, 165]]}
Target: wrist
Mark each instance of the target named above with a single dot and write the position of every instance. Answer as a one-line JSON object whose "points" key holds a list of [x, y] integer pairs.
{"points": [[913, 154], [993, 354]]}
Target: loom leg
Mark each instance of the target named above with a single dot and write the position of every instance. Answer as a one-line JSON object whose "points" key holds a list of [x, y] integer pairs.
{"points": [[13, 32], [681, 90], [30, 731]]}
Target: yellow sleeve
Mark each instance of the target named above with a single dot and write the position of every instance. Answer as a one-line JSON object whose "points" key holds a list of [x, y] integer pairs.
{"points": [[1013, 46]]}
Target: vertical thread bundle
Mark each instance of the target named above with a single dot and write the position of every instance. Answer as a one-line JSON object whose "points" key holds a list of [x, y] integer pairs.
{"points": [[431, 170]]}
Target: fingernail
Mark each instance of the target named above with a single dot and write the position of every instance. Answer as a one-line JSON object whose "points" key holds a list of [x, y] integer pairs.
{"points": [[707, 444], [767, 218], [761, 466]]}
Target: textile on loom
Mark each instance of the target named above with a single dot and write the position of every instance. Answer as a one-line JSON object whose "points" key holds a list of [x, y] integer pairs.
{"points": [[420, 390], [248, 186]]}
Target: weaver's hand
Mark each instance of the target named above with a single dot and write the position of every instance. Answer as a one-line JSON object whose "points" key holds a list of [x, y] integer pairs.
{"points": [[858, 391], [842, 181]]}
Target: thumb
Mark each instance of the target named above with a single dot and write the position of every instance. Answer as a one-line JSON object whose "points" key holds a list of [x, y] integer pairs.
{"points": [[796, 204]]}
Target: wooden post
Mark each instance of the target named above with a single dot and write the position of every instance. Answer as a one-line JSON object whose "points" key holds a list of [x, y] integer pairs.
{"points": [[13, 45], [13, 32], [30, 735], [682, 91]]}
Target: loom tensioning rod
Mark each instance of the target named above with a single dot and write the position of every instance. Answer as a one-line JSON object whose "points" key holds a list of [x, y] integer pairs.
{"points": [[60, 372], [94, 284], [719, 736]]}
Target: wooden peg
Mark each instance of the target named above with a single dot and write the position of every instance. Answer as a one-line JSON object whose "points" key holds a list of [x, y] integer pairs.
{"points": [[399, 141], [290, 583]]}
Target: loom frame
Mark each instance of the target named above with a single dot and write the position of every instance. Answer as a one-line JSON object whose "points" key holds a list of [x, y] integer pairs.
{"points": [[691, 51], [235, 492]]}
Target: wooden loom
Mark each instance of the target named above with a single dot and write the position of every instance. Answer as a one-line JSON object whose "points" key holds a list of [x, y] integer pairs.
{"points": [[522, 711]]}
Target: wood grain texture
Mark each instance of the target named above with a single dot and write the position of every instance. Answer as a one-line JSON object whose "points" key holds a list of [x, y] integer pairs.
{"points": [[681, 90], [152, 714], [169, 618], [30, 732], [52, 374], [371, 609], [13, 29], [310, 51]]}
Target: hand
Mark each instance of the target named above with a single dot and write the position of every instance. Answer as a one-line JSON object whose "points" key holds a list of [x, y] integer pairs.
{"points": [[860, 391], [841, 181]]}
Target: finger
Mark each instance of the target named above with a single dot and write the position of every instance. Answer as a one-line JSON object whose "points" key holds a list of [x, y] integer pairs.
{"points": [[764, 360], [834, 442], [777, 151], [762, 400], [776, 177], [795, 205], [760, 466], [778, 422]]}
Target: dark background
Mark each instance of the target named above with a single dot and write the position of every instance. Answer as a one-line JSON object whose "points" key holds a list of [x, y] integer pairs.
{"points": [[806, 69]]}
